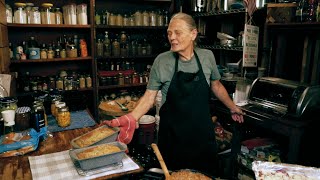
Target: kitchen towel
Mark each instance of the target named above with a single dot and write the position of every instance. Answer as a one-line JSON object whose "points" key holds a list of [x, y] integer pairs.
{"points": [[79, 119], [56, 166]]}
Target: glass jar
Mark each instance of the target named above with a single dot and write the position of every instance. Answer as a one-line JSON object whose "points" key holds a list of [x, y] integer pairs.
{"points": [[119, 20], [112, 19], [8, 103], [120, 79], [153, 18], [58, 15], [138, 18], [58, 105], [43, 53], [63, 53], [82, 82], [126, 20], [145, 18], [29, 7], [22, 118], [160, 20], [35, 16], [70, 14], [135, 78], [99, 47], [54, 103], [88, 81], [47, 14], [132, 20], [20, 15], [50, 53], [116, 48], [82, 15], [68, 83], [64, 118], [9, 13], [59, 83]]}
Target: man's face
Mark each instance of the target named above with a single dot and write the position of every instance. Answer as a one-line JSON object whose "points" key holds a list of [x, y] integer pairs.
{"points": [[179, 36]]}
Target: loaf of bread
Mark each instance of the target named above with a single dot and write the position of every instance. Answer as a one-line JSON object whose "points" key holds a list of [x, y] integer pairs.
{"points": [[93, 136], [97, 151]]}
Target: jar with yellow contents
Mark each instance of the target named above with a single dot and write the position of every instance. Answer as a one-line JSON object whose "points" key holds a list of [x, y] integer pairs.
{"points": [[58, 105], [64, 118]]}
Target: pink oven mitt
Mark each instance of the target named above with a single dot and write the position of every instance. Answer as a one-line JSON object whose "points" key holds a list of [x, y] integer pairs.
{"points": [[127, 124]]}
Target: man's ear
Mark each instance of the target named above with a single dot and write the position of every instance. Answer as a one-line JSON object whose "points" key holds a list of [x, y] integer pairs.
{"points": [[194, 33]]}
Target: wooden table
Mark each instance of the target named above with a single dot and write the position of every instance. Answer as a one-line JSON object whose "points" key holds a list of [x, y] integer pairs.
{"points": [[19, 168]]}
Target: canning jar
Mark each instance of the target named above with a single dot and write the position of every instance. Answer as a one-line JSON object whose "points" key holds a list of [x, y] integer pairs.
{"points": [[63, 117], [70, 14], [20, 15], [29, 7], [8, 103], [54, 101], [59, 83], [82, 82], [47, 14]]}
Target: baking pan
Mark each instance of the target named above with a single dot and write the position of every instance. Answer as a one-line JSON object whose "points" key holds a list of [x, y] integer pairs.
{"points": [[100, 161], [110, 138]]}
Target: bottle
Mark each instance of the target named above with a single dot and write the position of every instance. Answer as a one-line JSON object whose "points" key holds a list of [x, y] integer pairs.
{"points": [[99, 46], [83, 48], [106, 45], [318, 13], [97, 18], [43, 52], [88, 81], [77, 44], [116, 48], [33, 49]]}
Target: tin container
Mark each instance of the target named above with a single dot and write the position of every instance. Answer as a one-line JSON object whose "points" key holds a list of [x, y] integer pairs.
{"points": [[104, 160]]}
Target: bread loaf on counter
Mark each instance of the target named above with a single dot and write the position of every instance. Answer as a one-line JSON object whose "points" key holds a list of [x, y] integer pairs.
{"points": [[93, 136], [97, 151]]}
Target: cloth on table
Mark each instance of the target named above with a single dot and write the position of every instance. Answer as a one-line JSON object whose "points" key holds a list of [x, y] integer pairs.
{"points": [[59, 165]]}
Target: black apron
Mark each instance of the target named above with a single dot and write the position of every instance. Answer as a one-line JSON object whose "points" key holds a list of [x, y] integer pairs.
{"points": [[186, 132]]}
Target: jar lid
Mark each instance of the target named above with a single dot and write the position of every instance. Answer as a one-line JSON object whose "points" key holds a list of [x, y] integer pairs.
{"points": [[8, 100], [63, 109], [47, 5], [147, 119], [19, 4], [23, 109], [60, 104]]}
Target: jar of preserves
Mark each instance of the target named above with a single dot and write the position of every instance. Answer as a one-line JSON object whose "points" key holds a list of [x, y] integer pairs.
{"points": [[64, 118], [20, 15], [22, 118], [127, 80], [135, 78], [58, 105], [47, 14], [54, 103]]}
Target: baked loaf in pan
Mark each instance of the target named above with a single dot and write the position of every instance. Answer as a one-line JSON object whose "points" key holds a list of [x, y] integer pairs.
{"points": [[97, 151], [94, 136]]}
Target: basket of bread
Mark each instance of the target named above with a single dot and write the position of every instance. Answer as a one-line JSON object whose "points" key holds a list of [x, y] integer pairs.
{"points": [[113, 107], [97, 156]]}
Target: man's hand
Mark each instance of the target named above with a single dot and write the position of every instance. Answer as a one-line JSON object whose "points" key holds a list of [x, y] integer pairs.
{"points": [[237, 114], [127, 125]]}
